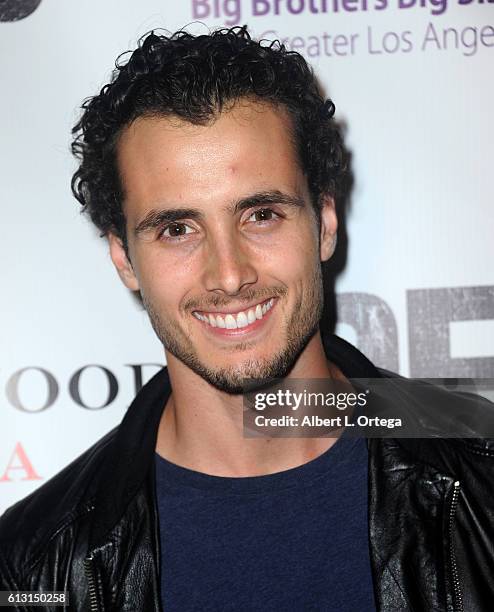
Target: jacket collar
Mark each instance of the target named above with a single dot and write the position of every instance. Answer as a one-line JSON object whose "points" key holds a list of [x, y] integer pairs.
{"points": [[131, 455]]}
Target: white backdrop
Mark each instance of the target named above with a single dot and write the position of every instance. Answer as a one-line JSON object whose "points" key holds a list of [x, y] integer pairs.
{"points": [[412, 79]]}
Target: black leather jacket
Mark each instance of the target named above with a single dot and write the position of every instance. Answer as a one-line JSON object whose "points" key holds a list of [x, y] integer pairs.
{"points": [[92, 530]]}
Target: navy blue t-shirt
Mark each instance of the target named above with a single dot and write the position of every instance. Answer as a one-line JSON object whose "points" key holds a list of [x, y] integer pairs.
{"points": [[294, 540]]}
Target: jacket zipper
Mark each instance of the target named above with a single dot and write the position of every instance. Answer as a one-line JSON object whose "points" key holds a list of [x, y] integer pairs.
{"points": [[457, 598], [93, 597]]}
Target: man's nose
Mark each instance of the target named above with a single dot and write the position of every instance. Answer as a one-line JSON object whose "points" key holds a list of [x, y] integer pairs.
{"points": [[228, 268]]}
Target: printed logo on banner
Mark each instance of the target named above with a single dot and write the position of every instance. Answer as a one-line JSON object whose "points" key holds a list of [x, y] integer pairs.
{"points": [[21, 383], [15, 10], [234, 11], [429, 37], [19, 466]]}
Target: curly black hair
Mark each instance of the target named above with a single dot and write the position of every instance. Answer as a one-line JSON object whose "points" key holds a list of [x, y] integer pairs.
{"points": [[194, 78]]}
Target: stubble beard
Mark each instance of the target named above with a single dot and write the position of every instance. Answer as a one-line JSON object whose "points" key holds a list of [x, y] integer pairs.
{"points": [[234, 380]]}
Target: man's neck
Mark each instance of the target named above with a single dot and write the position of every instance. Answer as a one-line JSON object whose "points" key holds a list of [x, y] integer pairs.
{"points": [[202, 428]]}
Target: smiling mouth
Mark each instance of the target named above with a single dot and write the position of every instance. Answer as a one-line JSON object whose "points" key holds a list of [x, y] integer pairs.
{"points": [[237, 320]]}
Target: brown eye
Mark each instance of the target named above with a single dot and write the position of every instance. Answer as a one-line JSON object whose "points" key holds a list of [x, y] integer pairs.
{"points": [[263, 214], [176, 230]]}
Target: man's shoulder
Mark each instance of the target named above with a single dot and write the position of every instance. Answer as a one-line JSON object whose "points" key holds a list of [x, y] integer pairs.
{"points": [[457, 426], [27, 527]]}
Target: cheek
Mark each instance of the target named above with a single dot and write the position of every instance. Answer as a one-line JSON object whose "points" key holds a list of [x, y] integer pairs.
{"points": [[163, 282], [302, 260], [297, 267], [300, 254]]}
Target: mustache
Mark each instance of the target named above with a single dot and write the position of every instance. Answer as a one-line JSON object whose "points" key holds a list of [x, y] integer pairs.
{"points": [[246, 297]]}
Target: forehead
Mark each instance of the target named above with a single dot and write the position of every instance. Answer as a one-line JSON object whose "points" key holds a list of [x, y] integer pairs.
{"points": [[245, 148]]}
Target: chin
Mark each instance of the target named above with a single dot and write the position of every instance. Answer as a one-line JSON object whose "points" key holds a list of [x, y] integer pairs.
{"points": [[239, 378]]}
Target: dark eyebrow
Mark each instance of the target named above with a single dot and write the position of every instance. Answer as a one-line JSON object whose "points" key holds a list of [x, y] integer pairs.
{"points": [[158, 218], [266, 198]]}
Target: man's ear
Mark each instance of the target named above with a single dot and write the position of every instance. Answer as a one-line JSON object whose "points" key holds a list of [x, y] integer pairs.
{"points": [[122, 263], [329, 226]]}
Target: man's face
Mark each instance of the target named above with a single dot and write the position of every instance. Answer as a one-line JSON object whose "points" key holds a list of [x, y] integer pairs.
{"points": [[223, 243]]}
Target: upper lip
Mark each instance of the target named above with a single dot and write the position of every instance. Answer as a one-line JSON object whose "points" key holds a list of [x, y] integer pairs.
{"points": [[232, 309]]}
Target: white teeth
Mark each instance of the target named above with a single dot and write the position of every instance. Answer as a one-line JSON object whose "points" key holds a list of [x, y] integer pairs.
{"points": [[242, 320], [238, 321], [230, 322]]}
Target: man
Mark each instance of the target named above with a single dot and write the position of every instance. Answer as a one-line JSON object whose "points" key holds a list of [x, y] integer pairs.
{"points": [[213, 165]]}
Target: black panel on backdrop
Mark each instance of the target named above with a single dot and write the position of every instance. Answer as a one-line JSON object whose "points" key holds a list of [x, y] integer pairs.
{"points": [[13, 10]]}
